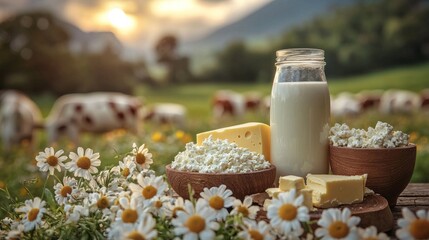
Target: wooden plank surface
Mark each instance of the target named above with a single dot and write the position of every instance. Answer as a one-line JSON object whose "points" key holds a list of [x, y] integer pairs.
{"points": [[414, 197]]}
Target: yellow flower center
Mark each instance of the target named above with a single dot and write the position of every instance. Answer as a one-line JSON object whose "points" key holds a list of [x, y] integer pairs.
{"points": [[125, 172], [32, 214], [149, 192], [176, 209], [52, 161], [338, 229], [158, 204], [103, 203], [243, 210], [84, 163], [140, 158], [419, 229], [65, 191], [195, 223], [134, 235], [216, 202], [288, 212], [255, 235], [129, 216]]}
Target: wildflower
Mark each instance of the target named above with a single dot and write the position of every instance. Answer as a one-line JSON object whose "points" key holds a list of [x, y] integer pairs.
{"points": [[101, 201], [245, 208], [33, 210], [142, 156], [127, 167], [144, 230], [183, 137], [64, 191], [286, 212], [130, 210], [370, 233], [256, 231], [196, 222], [75, 212], [158, 137], [218, 198], [83, 164], [157, 205], [172, 209], [50, 160], [148, 187], [412, 227], [337, 224]]}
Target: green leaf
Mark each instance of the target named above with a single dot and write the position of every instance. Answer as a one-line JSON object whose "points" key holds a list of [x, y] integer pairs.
{"points": [[50, 199]]}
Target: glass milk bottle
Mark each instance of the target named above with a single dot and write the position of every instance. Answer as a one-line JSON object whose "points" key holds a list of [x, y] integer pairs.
{"points": [[300, 113]]}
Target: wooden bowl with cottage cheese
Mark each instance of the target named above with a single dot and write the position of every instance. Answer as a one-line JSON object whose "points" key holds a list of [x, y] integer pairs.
{"points": [[389, 169], [241, 184]]}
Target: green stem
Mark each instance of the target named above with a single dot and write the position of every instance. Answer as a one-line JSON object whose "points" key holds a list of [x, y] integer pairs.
{"points": [[44, 187]]}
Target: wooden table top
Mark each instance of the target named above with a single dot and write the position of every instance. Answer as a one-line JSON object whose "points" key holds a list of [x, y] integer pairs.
{"points": [[415, 197]]}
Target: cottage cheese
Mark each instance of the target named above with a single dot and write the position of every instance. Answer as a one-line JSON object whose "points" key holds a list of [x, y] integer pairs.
{"points": [[382, 136], [218, 156]]}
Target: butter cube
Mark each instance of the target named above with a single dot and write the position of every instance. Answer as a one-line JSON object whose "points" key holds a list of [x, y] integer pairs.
{"points": [[286, 183], [308, 197], [267, 203], [273, 192], [254, 136], [333, 190]]}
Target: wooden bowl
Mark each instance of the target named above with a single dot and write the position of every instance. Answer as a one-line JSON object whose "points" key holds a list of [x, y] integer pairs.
{"points": [[241, 184], [389, 169]]}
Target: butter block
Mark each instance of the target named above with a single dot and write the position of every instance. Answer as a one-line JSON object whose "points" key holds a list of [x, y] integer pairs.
{"points": [[273, 192], [308, 197], [254, 136], [333, 190], [286, 183], [267, 203]]}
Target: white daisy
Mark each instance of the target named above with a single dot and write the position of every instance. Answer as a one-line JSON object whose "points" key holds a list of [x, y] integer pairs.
{"points": [[157, 205], [148, 187], [219, 198], [75, 212], [412, 227], [196, 222], [127, 167], [84, 163], [145, 229], [370, 233], [142, 156], [256, 231], [65, 191], [50, 160], [130, 210], [33, 210], [172, 208], [245, 208], [101, 201], [286, 212], [337, 224]]}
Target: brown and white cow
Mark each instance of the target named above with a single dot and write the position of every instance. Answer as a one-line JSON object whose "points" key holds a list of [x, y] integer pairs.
{"points": [[228, 103], [92, 112], [19, 116], [400, 101]]}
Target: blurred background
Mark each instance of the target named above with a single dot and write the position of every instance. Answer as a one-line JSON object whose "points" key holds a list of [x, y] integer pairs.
{"points": [[186, 54]]}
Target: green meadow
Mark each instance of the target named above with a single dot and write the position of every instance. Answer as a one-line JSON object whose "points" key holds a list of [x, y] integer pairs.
{"points": [[19, 174]]}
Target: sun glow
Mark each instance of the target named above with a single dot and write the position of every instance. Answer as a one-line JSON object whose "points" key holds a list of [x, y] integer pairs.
{"points": [[120, 20]]}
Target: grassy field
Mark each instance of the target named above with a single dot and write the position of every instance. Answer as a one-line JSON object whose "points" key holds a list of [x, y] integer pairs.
{"points": [[19, 173]]}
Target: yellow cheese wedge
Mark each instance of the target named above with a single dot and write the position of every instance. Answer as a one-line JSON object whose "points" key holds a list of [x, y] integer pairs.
{"points": [[333, 190], [286, 183], [254, 136]]}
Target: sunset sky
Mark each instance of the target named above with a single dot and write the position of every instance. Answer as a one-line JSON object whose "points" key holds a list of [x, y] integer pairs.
{"points": [[139, 23]]}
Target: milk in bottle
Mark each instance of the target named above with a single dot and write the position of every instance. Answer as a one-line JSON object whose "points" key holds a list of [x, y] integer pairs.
{"points": [[300, 113]]}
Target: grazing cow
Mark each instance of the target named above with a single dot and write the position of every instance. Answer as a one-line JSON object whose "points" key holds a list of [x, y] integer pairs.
{"points": [[92, 112], [369, 99], [19, 116], [424, 95], [253, 101], [167, 113], [345, 104], [400, 101], [228, 103]]}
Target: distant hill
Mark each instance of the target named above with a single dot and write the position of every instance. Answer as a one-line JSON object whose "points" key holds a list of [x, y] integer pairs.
{"points": [[271, 20]]}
